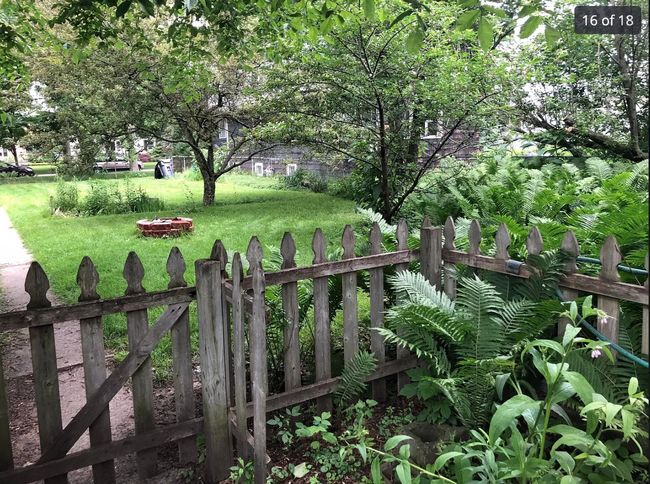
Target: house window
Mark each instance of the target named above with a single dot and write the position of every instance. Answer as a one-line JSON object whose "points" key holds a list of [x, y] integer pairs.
{"points": [[118, 146], [149, 144], [4, 152], [431, 129], [223, 129], [291, 168], [259, 169]]}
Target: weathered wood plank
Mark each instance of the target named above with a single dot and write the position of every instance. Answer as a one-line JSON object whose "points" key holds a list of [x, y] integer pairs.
{"points": [[350, 309], [219, 253], [502, 241], [401, 235], [449, 232], [249, 440], [213, 352], [645, 344], [247, 301], [322, 343], [291, 347], [534, 242], [610, 258], [592, 285], [46, 378], [94, 362], [137, 323], [327, 387], [570, 245], [377, 312], [103, 453], [259, 380], [254, 255], [431, 255], [92, 309], [239, 351], [101, 398], [474, 236], [6, 454], [182, 359], [336, 267]]}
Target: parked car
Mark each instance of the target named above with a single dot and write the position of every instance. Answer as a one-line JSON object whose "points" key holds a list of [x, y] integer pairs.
{"points": [[116, 164], [20, 170]]}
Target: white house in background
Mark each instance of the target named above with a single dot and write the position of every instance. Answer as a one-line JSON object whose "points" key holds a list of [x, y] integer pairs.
{"points": [[8, 157]]}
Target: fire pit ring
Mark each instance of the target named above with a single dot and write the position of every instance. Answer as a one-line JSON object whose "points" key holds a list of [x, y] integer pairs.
{"points": [[165, 227]]}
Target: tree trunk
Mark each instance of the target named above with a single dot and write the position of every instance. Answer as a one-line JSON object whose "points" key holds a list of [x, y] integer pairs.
{"points": [[629, 97], [383, 154], [14, 151], [208, 190]]}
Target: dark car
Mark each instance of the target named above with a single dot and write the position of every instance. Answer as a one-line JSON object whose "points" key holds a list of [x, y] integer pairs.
{"points": [[20, 170]]}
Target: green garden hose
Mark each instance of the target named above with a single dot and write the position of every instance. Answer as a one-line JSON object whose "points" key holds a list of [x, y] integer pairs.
{"points": [[593, 331], [623, 268]]}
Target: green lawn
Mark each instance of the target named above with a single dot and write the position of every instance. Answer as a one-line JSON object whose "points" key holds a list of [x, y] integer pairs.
{"points": [[42, 169], [241, 211]]}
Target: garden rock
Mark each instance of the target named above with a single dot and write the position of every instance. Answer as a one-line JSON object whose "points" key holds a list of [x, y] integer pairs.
{"points": [[425, 440]]}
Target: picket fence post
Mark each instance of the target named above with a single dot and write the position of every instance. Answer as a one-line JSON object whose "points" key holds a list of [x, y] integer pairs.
{"points": [[214, 381]]}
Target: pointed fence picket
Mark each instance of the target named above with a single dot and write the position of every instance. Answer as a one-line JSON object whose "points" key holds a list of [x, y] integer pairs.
{"points": [[137, 324], [401, 235], [350, 309], [182, 359], [377, 346], [225, 306], [322, 344], [94, 363], [290, 306], [569, 245], [46, 378]]}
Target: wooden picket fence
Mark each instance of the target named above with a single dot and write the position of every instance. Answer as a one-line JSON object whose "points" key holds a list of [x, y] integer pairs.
{"points": [[222, 303]]}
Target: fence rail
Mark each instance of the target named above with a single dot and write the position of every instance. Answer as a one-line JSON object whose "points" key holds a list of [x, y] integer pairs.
{"points": [[228, 307]]}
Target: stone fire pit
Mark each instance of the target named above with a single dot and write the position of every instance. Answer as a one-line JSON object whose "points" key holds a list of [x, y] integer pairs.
{"points": [[165, 227]]}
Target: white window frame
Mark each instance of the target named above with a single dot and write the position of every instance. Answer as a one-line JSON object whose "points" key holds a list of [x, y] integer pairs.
{"points": [[223, 129], [148, 142], [291, 168], [259, 172], [431, 133]]}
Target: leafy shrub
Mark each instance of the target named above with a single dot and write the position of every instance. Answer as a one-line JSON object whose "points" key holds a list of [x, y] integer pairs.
{"points": [[104, 198], [342, 188], [304, 179], [532, 439], [193, 174], [66, 197]]}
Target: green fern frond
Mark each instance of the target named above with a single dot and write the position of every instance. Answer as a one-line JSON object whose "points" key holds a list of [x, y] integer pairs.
{"points": [[423, 344], [514, 316], [272, 259], [430, 319], [478, 306], [416, 289], [598, 168], [373, 216], [352, 379]]}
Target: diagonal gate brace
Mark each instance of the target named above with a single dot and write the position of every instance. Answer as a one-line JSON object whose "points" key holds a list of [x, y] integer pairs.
{"points": [[105, 393]]}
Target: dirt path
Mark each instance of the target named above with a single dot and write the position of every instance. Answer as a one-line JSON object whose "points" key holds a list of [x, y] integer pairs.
{"points": [[14, 263]]}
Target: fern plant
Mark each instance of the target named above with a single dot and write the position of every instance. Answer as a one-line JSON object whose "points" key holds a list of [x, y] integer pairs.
{"points": [[464, 342], [352, 379]]}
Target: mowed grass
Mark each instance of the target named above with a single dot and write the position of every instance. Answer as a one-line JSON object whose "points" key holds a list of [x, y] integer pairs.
{"points": [[243, 208], [42, 169]]}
